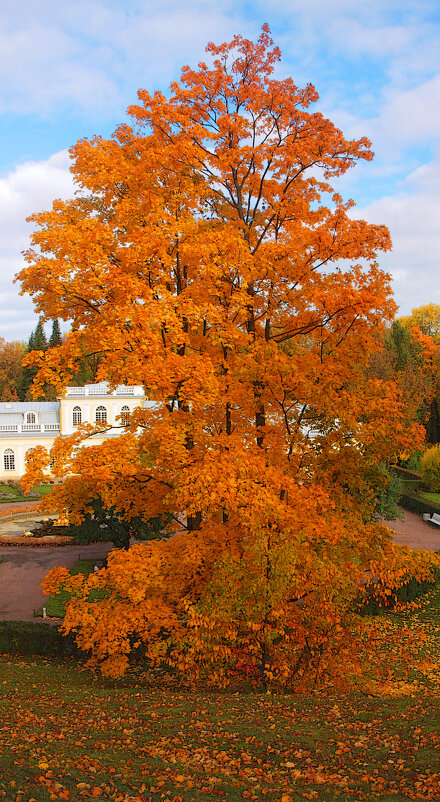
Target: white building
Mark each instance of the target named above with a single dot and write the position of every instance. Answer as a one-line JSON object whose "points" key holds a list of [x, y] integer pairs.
{"points": [[26, 424]]}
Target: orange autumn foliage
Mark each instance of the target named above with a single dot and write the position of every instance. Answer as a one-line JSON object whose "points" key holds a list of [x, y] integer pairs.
{"points": [[208, 257]]}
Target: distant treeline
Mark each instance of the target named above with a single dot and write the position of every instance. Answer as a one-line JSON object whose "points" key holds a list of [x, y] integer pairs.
{"points": [[16, 380]]}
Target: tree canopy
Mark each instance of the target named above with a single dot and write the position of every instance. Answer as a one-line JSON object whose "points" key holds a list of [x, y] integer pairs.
{"points": [[208, 257], [11, 358], [427, 319]]}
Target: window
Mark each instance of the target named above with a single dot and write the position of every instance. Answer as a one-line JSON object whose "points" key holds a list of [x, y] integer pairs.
{"points": [[125, 415], [31, 417], [9, 460], [76, 416], [101, 415]]}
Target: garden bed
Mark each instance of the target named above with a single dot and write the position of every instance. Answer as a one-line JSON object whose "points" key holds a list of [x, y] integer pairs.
{"points": [[36, 542]]}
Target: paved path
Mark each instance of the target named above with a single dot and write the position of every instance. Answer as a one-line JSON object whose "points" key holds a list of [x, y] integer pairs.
{"points": [[23, 567], [415, 532]]}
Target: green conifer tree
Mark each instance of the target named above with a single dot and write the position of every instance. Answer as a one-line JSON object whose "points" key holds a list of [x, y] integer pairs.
{"points": [[55, 338], [40, 339], [37, 342]]}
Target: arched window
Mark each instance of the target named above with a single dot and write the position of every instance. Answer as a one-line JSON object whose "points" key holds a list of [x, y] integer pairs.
{"points": [[125, 415], [31, 417], [76, 416], [9, 460], [101, 415]]}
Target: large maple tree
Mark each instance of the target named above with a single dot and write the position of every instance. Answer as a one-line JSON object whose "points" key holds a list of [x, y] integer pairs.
{"points": [[208, 257]]}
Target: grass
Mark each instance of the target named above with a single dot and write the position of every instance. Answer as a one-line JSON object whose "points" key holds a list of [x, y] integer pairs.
{"points": [[43, 490], [73, 735], [70, 732], [55, 607], [15, 494], [434, 497], [9, 491]]}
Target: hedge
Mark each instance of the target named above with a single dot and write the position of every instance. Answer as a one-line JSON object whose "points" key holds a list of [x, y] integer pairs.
{"points": [[23, 637], [410, 591], [418, 504], [412, 486], [405, 473]]}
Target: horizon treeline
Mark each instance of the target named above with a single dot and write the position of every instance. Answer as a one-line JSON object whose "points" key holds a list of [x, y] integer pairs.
{"points": [[16, 379]]}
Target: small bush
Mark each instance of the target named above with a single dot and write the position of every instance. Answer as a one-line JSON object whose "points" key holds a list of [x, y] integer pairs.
{"points": [[7, 491], [405, 473], [413, 461], [430, 468], [388, 500]]}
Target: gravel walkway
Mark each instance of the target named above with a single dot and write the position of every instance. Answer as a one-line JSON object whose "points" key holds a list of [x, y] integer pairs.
{"points": [[23, 568]]}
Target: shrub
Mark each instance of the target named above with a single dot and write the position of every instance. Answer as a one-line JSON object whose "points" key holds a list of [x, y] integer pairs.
{"points": [[405, 473], [410, 591], [388, 500], [23, 637], [418, 504], [430, 468], [412, 486], [413, 461]]}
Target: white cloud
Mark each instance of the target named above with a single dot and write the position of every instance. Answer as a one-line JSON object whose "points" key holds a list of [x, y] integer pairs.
{"points": [[379, 42], [31, 187], [413, 219], [85, 55], [412, 116]]}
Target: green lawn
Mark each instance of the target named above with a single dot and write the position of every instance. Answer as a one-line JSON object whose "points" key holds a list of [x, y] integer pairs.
{"points": [[43, 490], [8, 493], [434, 497], [72, 735]]}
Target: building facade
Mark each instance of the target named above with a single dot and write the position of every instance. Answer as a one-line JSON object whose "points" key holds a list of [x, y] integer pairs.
{"points": [[26, 424]]}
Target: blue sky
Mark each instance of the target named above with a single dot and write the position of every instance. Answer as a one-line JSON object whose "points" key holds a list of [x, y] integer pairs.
{"points": [[70, 69]]}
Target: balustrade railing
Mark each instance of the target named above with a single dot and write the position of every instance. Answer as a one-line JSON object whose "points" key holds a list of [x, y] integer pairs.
{"points": [[24, 428], [91, 390], [76, 391]]}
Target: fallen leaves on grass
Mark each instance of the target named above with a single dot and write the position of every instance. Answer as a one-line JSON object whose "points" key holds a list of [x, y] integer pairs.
{"points": [[67, 735]]}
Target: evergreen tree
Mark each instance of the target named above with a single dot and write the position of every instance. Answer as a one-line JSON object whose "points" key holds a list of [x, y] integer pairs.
{"points": [[39, 338], [37, 342], [55, 338]]}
